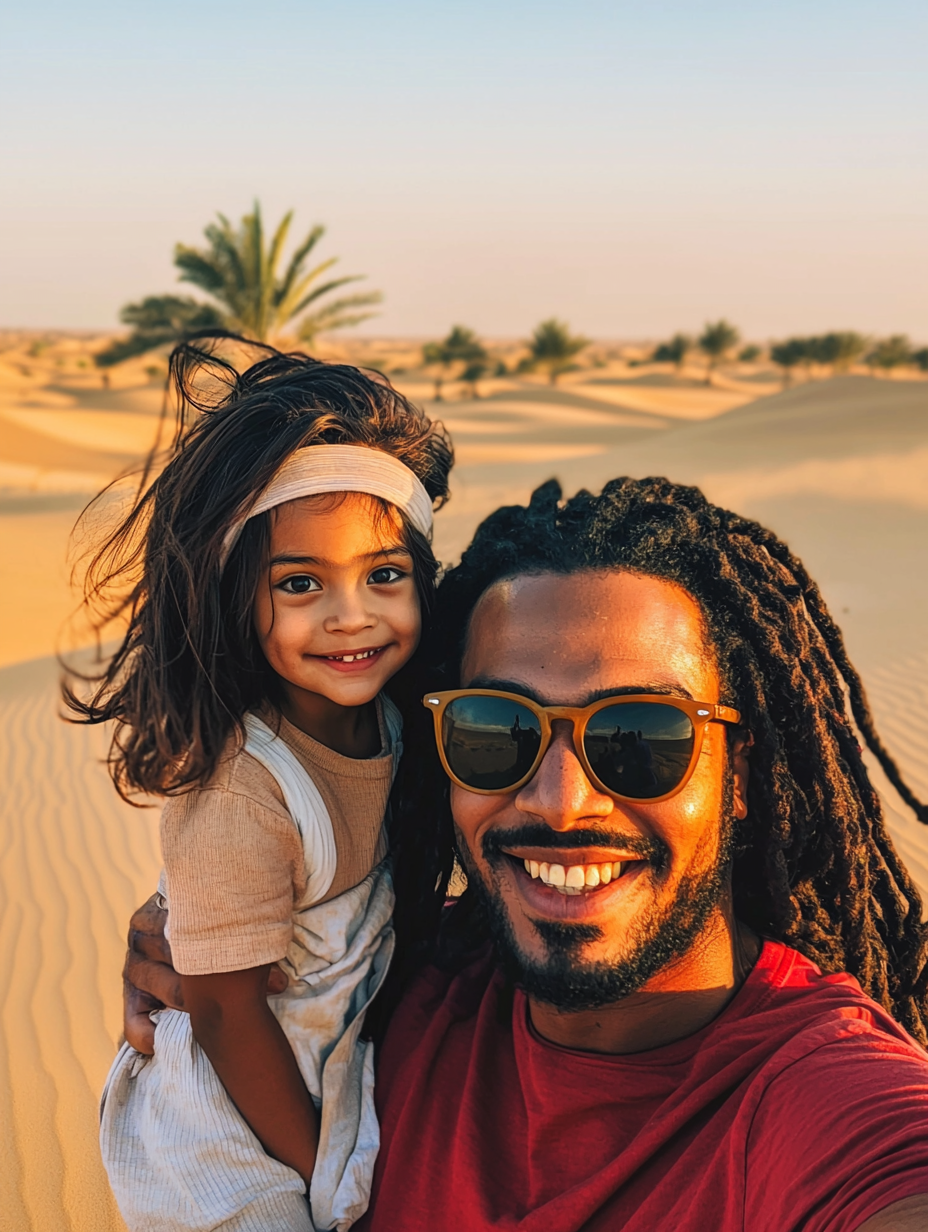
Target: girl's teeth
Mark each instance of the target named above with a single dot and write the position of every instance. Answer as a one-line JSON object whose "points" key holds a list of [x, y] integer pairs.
{"points": [[575, 878], [350, 658]]}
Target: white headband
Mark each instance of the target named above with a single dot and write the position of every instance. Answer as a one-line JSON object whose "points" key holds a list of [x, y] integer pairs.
{"points": [[340, 468]]}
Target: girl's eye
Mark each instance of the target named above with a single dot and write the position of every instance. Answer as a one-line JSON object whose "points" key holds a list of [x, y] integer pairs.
{"points": [[299, 584], [385, 574]]}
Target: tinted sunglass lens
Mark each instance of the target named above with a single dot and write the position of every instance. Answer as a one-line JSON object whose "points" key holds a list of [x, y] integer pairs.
{"points": [[489, 742], [639, 749]]}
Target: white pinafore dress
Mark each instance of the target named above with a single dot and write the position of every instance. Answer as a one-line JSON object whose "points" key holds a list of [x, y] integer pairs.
{"points": [[178, 1153]]}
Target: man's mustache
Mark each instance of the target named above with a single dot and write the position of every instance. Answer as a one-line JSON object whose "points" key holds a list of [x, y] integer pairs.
{"points": [[534, 834]]}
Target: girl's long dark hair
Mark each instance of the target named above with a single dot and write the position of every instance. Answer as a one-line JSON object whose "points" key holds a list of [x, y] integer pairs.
{"points": [[814, 866], [189, 666]]}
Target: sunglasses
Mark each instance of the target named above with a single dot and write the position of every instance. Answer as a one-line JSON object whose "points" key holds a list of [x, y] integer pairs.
{"points": [[640, 746]]}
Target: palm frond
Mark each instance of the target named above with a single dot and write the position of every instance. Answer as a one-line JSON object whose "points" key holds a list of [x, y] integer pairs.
{"points": [[292, 305], [332, 285], [292, 271], [339, 313], [198, 269]]}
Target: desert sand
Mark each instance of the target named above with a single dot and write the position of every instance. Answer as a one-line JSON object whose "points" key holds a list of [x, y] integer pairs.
{"points": [[839, 468]]}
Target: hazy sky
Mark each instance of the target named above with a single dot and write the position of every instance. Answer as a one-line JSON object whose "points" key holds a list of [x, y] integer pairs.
{"points": [[634, 168]]}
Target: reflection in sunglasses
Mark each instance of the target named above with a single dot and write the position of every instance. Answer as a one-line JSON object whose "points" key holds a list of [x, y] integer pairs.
{"points": [[639, 750]]}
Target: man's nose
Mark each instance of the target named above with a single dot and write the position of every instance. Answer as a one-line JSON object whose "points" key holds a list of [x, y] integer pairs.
{"points": [[348, 611], [559, 792]]}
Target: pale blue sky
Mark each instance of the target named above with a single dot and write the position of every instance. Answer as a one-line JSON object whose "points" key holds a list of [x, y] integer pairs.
{"points": [[633, 168]]}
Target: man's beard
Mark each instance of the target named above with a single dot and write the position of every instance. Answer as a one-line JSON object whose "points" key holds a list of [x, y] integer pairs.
{"points": [[562, 979]]}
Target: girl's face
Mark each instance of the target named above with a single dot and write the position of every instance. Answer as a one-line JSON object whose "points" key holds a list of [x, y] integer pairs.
{"points": [[337, 613]]}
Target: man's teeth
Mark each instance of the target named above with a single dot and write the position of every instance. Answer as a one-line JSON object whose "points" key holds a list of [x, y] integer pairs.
{"points": [[575, 877], [350, 658]]}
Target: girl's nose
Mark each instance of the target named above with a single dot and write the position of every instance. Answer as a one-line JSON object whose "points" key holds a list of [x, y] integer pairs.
{"points": [[348, 612], [559, 792]]}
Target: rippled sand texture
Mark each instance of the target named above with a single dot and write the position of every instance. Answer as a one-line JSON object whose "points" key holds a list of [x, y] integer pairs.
{"points": [[74, 862], [839, 468]]}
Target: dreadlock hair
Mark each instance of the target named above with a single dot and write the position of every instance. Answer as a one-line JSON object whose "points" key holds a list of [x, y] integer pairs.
{"points": [[189, 665], [814, 865]]}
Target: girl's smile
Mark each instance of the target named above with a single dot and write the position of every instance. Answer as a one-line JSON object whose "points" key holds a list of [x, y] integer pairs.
{"points": [[353, 660]]}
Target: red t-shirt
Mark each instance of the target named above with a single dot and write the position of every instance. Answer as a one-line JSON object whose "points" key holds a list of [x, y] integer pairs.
{"points": [[802, 1106]]}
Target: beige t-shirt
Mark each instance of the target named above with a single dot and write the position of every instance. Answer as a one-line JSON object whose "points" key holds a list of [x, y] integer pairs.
{"points": [[233, 857]]}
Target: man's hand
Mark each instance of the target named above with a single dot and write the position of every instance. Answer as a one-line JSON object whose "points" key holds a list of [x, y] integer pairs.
{"points": [[149, 979]]}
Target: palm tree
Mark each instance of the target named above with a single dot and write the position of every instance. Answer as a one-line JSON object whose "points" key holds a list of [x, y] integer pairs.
{"points": [[552, 346], [462, 346], [716, 341], [891, 353], [240, 271], [674, 352]]}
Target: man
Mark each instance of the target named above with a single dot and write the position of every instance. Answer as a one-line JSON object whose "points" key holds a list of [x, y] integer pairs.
{"points": [[643, 1045]]}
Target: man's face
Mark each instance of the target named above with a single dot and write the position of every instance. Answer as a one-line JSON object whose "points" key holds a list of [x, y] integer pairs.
{"points": [[568, 641]]}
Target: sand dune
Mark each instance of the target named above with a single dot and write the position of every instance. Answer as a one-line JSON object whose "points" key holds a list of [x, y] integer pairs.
{"points": [[123, 433], [28, 445], [74, 862], [838, 468]]}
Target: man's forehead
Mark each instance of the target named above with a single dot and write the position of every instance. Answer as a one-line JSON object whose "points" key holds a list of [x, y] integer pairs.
{"points": [[570, 637]]}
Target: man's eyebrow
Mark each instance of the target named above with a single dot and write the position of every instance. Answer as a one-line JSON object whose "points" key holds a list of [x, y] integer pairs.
{"points": [[658, 688], [287, 558]]}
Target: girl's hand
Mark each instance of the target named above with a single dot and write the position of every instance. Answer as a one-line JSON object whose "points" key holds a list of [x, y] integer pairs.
{"points": [[149, 979]]}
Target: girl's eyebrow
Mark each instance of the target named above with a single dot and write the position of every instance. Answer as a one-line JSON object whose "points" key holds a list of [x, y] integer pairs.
{"points": [[292, 559]]}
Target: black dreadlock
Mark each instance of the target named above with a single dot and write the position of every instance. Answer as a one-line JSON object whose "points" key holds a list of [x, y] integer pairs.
{"points": [[814, 865]]}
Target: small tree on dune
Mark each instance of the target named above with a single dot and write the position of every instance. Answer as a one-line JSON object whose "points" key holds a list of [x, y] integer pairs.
{"points": [[473, 373], [552, 346], [750, 353], [715, 342], [674, 352], [239, 270], [891, 353], [787, 355], [462, 346], [837, 349], [920, 359]]}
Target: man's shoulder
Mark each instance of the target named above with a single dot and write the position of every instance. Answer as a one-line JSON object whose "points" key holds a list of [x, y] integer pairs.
{"points": [[838, 1111], [788, 991]]}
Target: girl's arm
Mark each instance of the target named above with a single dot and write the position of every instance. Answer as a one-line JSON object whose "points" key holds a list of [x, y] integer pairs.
{"points": [[236, 1028]]}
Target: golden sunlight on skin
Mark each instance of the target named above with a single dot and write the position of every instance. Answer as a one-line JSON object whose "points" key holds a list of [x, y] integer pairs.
{"points": [[564, 640], [339, 585]]}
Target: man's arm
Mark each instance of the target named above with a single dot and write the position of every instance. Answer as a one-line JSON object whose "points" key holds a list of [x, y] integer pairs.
{"points": [[149, 979], [909, 1215]]}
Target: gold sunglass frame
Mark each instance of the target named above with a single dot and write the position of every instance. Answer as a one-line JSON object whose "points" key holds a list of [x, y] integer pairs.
{"points": [[700, 714]]}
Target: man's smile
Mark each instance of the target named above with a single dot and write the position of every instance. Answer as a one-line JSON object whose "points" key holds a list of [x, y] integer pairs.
{"points": [[570, 884], [576, 878]]}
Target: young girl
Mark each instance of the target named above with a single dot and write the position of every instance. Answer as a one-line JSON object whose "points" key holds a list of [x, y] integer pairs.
{"points": [[285, 566]]}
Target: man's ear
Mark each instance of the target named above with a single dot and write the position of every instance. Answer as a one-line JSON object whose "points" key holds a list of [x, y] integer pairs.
{"points": [[740, 754]]}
